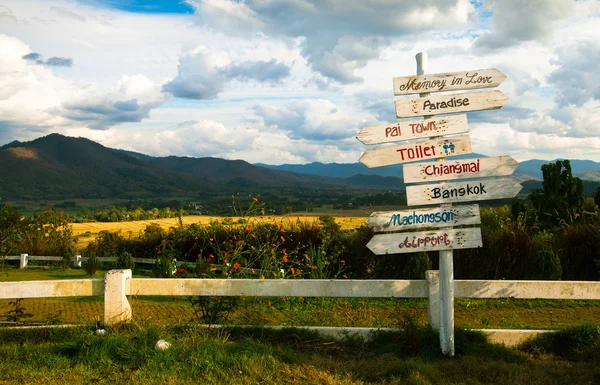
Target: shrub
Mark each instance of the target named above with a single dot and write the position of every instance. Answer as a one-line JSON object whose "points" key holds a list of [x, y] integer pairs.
{"points": [[67, 260], [416, 266], [93, 264], [578, 343], [125, 260], [547, 266]]}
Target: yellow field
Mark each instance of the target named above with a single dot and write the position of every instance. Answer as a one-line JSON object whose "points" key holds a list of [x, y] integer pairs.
{"points": [[136, 227]]}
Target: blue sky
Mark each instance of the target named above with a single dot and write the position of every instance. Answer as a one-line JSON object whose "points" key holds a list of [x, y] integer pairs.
{"points": [[144, 6], [291, 81]]}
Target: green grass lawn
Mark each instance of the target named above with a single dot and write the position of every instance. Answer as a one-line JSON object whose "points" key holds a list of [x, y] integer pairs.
{"points": [[257, 356]]}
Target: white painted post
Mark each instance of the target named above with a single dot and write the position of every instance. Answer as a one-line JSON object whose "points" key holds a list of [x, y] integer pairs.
{"points": [[77, 261], [23, 263], [446, 273], [433, 308], [116, 306]]}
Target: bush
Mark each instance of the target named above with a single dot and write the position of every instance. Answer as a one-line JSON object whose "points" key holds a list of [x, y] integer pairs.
{"points": [[67, 260], [93, 264], [547, 266], [416, 266], [580, 343], [125, 261]]}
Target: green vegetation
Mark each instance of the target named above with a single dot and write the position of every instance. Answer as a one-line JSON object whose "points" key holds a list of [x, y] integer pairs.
{"points": [[291, 356]]}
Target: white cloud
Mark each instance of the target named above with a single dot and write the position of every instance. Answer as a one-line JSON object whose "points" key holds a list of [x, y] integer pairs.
{"points": [[516, 21], [308, 119], [33, 96], [338, 37]]}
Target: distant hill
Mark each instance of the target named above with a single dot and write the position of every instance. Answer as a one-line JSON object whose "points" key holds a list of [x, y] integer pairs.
{"points": [[60, 167], [239, 172], [57, 167], [529, 169]]}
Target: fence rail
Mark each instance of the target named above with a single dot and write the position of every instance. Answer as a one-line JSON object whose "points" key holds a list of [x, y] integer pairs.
{"points": [[118, 284]]}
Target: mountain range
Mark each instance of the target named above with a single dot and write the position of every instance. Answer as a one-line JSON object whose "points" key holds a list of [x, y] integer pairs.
{"points": [[60, 167]]}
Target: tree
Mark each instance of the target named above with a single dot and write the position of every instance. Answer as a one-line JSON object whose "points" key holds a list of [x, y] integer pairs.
{"points": [[561, 196], [597, 197]]}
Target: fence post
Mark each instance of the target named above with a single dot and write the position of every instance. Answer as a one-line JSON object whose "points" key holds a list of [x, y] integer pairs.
{"points": [[116, 307], [77, 261], [433, 305], [23, 263]]}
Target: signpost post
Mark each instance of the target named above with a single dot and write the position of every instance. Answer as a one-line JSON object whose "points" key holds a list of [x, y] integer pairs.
{"points": [[436, 223]]}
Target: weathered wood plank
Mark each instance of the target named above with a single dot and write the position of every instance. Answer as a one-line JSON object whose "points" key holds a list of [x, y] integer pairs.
{"points": [[385, 221], [56, 288], [448, 104], [459, 169], [413, 129], [448, 81], [475, 190], [280, 287], [410, 152], [443, 239]]}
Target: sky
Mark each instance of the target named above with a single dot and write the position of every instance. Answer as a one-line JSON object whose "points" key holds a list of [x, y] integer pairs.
{"points": [[292, 81]]}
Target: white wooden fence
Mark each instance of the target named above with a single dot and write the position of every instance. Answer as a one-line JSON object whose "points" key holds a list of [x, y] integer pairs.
{"points": [[77, 259], [118, 284]]}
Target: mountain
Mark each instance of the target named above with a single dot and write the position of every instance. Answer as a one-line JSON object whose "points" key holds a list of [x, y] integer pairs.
{"points": [[239, 172], [529, 169], [59, 167]]}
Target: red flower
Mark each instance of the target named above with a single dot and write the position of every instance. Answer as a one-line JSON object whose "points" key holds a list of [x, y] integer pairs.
{"points": [[180, 271], [236, 265]]}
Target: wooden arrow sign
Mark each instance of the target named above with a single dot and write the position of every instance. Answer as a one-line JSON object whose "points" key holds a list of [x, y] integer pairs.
{"points": [[385, 221], [473, 190], [449, 81], [447, 104], [414, 129], [410, 152], [443, 239], [459, 169]]}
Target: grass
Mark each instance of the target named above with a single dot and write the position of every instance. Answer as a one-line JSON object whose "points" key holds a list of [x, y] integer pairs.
{"points": [[258, 356]]}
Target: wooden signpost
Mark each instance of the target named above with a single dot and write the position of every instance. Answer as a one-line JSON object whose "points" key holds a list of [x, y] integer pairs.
{"points": [[459, 169], [410, 152], [386, 221], [440, 219], [471, 190], [443, 239], [450, 81], [447, 104], [413, 129]]}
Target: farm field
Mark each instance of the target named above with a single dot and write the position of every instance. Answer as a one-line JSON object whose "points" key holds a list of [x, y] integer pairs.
{"points": [[87, 230]]}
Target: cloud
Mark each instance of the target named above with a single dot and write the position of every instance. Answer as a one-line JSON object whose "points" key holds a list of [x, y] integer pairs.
{"points": [[59, 62], [262, 71], [576, 79], [337, 38], [33, 99], [130, 101], [7, 15], [516, 21], [308, 119], [36, 58], [203, 74], [64, 12], [502, 139]]}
